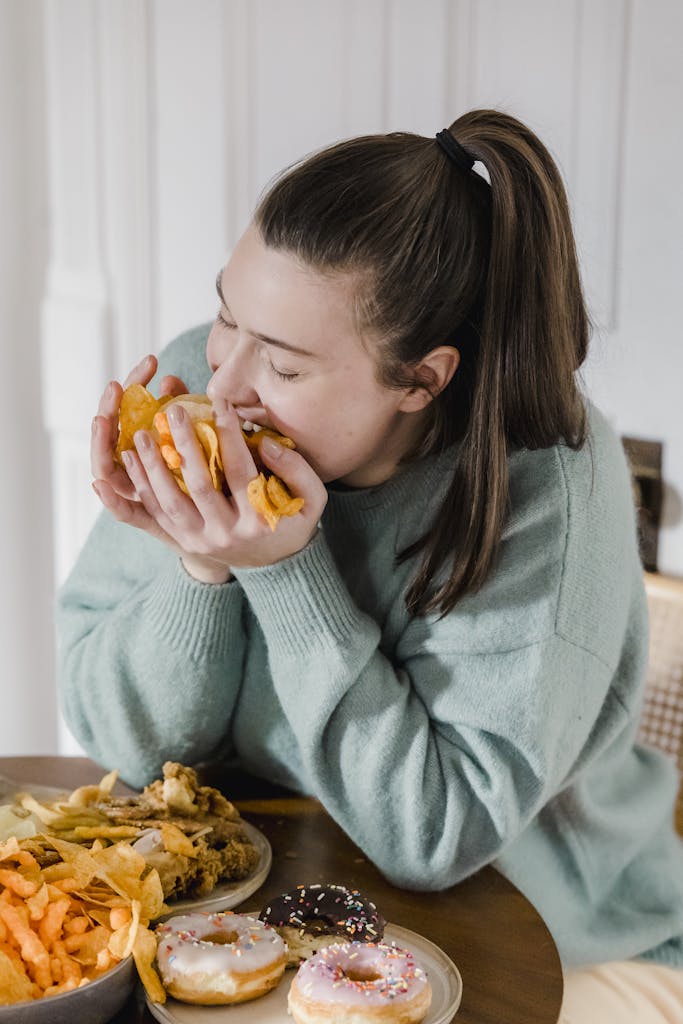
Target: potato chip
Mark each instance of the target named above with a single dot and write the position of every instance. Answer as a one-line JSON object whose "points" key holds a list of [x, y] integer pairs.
{"points": [[284, 502], [257, 492], [140, 410], [176, 841], [136, 412], [15, 985], [144, 954]]}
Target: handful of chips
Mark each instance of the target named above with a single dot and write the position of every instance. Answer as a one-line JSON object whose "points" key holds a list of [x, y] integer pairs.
{"points": [[140, 410], [68, 915]]}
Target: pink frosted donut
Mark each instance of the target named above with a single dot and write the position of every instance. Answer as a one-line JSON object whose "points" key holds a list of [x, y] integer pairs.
{"points": [[219, 958], [358, 983]]}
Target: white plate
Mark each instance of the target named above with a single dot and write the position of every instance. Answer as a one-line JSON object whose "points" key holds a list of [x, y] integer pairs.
{"points": [[223, 897], [272, 1009]]}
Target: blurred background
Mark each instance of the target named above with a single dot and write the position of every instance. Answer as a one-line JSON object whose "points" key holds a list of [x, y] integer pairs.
{"points": [[136, 136]]}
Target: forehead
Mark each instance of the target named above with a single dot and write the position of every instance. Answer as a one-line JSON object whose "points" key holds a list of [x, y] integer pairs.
{"points": [[271, 292]]}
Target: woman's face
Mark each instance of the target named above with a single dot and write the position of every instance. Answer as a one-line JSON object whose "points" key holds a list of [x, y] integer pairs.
{"points": [[285, 352]]}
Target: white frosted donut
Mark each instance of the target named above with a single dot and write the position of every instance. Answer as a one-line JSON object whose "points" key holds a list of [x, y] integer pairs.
{"points": [[219, 958], [359, 983]]}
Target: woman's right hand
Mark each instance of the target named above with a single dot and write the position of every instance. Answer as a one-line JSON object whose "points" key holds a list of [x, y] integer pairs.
{"points": [[111, 483]]}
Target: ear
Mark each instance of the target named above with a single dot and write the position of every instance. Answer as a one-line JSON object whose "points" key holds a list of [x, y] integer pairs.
{"points": [[433, 373]]}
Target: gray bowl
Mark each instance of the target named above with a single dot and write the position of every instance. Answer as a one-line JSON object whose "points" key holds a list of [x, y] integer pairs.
{"points": [[95, 1003]]}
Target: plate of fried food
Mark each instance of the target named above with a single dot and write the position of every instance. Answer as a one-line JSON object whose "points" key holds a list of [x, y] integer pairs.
{"points": [[109, 865], [207, 856]]}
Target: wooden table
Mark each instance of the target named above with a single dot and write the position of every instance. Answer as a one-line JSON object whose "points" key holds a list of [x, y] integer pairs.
{"points": [[507, 958]]}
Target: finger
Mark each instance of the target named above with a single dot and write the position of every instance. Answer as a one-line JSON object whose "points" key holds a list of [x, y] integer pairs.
{"points": [[171, 385], [196, 473], [143, 372], [102, 464], [110, 401], [295, 472], [130, 512], [238, 462], [160, 490]]}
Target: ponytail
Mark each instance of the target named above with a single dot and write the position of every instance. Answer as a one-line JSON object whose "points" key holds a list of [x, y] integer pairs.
{"points": [[533, 337], [449, 259]]}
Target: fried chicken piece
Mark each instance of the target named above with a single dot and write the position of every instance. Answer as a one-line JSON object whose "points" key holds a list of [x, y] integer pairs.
{"points": [[179, 792], [224, 850]]}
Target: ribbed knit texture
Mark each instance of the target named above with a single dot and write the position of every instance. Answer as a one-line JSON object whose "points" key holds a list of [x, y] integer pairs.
{"points": [[500, 733]]}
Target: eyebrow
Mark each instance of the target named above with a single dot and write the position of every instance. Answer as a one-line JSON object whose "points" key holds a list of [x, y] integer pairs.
{"points": [[264, 337]]}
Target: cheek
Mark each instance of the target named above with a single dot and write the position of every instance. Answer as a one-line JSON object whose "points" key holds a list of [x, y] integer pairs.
{"points": [[213, 354]]}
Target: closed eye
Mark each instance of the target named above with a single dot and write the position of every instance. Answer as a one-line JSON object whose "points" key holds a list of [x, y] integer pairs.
{"points": [[220, 319], [281, 375]]}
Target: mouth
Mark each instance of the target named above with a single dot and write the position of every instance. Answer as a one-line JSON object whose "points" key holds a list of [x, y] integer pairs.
{"points": [[250, 428]]}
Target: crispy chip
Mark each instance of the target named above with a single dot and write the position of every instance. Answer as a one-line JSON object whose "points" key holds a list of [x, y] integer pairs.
{"points": [[106, 832], [176, 841], [141, 410], [15, 985], [257, 492], [208, 438], [284, 502], [144, 953], [138, 406]]}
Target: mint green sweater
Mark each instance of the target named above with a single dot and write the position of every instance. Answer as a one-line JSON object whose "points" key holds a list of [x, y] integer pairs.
{"points": [[501, 733]]}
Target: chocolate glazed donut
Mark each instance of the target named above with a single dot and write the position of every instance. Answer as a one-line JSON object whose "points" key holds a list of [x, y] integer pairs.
{"points": [[309, 918]]}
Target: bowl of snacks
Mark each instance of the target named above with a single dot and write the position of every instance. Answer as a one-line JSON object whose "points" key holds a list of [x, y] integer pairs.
{"points": [[74, 929]]}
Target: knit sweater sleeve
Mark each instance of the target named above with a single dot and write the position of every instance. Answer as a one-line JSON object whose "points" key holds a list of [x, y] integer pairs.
{"points": [[433, 761], [144, 649]]}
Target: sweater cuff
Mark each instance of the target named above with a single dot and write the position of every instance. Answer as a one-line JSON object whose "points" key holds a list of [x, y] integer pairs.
{"points": [[302, 604], [200, 619]]}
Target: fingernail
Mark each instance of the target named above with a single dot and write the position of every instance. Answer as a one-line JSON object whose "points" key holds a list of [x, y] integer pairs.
{"points": [[95, 426], [142, 440], [176, 415], [127, 459], [271, 448], [109, 390]]}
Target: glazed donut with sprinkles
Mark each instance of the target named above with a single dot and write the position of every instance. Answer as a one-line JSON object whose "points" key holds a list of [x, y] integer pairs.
{"points": [[311, 917], [219, 958], [360, 983]]}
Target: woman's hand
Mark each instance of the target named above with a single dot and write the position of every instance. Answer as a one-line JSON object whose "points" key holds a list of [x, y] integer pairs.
{"points": [[111, 483], [210, 531]]}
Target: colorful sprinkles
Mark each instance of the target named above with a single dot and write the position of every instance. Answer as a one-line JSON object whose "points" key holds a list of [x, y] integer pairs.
{"points": [[327, 909], [361, 973]]}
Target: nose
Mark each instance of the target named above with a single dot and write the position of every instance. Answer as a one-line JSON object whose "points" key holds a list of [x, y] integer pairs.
{"points": [[231, 380]]}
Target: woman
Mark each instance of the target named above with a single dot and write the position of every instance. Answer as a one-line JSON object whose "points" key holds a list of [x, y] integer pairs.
{"points": [[447, 644]]}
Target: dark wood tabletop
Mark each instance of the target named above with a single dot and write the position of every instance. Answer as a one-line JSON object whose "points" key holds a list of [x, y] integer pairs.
{"points": [[505, 954]]}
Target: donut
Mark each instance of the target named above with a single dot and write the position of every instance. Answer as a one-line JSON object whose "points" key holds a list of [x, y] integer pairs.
{"points": [[309, 918], [360, 983], [219, 958]]}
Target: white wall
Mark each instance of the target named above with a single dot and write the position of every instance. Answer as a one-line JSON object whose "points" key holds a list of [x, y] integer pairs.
{"points": [[27, 705], [163, 119]]}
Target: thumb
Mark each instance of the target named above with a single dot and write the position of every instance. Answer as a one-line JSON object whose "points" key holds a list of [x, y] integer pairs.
{"points": [[296, 473]]}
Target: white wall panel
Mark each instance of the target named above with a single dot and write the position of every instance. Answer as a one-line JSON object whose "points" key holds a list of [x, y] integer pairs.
{"points": [[416, 61], [189, 156]]}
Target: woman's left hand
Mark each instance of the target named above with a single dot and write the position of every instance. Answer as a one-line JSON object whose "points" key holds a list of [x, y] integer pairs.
{"points": [[213, 532]]}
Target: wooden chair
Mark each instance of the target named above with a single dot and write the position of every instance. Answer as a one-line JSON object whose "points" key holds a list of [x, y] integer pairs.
{"points": [[662, 716]]}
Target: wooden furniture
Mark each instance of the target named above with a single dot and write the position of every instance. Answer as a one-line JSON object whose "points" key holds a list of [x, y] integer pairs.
{"points": [[507, 958], [662, 715]]}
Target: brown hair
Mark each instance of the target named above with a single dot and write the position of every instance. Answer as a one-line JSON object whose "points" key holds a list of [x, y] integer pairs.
{"points": [[446, 258]]}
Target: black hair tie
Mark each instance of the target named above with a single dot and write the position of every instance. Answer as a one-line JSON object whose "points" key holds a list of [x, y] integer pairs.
{"points": [[456, 153]]}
